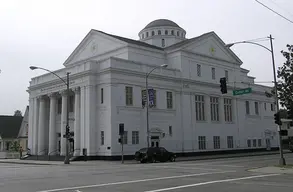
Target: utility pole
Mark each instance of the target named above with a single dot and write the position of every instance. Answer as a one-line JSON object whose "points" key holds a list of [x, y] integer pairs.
{"points": [[282, 159]]}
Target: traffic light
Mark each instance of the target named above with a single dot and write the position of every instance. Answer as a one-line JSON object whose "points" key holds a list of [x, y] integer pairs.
{"points": [[277, 118], [290, 111], [223, 85]]}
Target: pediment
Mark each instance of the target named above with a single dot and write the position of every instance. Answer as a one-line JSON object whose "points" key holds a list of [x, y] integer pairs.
{"points": [[95, 43], [212, 46]]}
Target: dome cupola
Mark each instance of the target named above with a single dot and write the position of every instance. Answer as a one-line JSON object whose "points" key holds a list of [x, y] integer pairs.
{"points": [[162, 33]]}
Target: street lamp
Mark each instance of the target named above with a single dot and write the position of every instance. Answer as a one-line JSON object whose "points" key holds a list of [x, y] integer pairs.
{"points": [[147, 98], [282, 159], [66, 160]]}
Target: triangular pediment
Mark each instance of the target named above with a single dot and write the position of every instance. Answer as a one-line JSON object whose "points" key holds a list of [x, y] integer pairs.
{"points": [[95, 43], [212, 46]]}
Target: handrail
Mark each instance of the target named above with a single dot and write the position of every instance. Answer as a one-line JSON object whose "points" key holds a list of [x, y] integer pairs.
{"points": [[51, 153]]}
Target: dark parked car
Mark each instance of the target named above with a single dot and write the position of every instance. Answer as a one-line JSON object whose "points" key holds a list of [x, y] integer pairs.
{"points": [[154, 154]]}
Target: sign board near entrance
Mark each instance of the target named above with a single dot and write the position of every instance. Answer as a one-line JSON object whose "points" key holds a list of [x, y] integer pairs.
{"points": [[242, 91]]}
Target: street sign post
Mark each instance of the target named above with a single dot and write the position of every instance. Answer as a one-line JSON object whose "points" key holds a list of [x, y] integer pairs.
{"points": [[242, 91]]}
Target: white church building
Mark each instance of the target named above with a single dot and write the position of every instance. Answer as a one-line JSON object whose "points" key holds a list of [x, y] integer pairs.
{"points": [[189, 113]]}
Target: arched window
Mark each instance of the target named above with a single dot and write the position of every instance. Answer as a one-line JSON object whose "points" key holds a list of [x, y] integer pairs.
{"points": [[142, 36], [147, 34], [166, 32], [172, 32], [163, 42], [159, 32], [177, 33], [153, 33]]}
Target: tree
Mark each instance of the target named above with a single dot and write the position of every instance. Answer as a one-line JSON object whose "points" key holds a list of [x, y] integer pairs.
{"points": [[17, 113], [285, 81]]}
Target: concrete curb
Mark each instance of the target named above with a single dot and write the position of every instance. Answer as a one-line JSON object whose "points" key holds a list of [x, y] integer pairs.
{"points": [[228, 156], [180, 159]]}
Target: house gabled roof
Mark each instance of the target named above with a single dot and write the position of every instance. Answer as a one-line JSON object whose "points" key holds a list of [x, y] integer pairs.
{"points": [[9, 126]]}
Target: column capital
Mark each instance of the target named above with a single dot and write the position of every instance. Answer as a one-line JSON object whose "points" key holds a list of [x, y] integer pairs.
{"points": [[41, 97], [63, 92], [52, 95], [76, 90]]}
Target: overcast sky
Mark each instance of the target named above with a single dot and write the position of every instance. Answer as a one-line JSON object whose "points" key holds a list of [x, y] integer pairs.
{"points": [[44, 33]]}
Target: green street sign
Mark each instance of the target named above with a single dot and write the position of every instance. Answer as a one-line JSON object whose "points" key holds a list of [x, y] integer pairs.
{"points": [[242, 91]]}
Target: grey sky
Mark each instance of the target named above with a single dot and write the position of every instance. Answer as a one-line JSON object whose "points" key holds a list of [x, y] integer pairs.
{"points": [[44, 33]]}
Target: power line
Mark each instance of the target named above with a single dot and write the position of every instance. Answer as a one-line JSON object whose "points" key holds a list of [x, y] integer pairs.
{"points": [[274, 11], [281, 7]]}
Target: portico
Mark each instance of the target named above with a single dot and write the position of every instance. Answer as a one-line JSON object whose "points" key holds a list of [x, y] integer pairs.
{"points": [[49, 123]]}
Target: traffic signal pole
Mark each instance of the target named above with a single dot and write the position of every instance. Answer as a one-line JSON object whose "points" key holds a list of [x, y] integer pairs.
{"points": [[282, 159]]}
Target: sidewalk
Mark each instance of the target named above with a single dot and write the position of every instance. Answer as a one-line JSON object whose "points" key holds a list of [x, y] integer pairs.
{"points": [[272, 170], [192, 158]]}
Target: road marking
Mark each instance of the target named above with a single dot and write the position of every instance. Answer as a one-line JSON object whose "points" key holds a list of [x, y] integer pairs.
{"points": [[210, 164], [134, 181], [182, 167], [212, 182]]}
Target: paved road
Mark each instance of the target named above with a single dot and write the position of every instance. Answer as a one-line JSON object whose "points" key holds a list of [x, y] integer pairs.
{"points": [[221, 175]]}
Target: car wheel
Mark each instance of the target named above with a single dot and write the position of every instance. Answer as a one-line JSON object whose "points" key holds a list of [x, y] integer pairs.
{"points": [[172, 159], [142, 161]]}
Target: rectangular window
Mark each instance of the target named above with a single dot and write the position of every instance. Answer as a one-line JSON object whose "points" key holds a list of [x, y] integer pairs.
{"points": [[170, 130], [247, 107], [129, 95], [259, 142], [102, 137], [216, 142], [265, 106], [102, 95], [199, 107], [214, 108], [213, 73], [248, 143], [198, 70], [254, 142], [71, 103], [201, 142], [59, 104], [125, 137], [272, 107], [169, 100], [227, 75], [135, 137], [228, 109], [230, 142], [256, 108]]}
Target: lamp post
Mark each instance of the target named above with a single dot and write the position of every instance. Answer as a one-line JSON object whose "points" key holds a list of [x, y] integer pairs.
{"points": [[147, 99], [282, 159], [66, 160]]}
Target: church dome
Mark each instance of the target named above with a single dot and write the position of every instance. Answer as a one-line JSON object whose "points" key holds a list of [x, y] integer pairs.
{"points": [[162, 33], [161, 22]]}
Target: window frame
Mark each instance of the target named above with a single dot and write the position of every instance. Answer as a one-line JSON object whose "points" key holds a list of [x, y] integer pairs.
{"points": [[200, 107], [228, 110], [102, 95], [135, 137], [169, 99], [217, 142], [102, 138], [202, 142], [213, 73], [247, 107], [214, 109], [128, 96]]}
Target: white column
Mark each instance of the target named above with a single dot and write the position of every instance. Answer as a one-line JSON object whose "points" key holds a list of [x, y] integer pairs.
{"points": [[82, 119], [77, 122], [52, 125], [63, 122], [31, 124], [90, 120], [35, 126], [41, 131]]}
